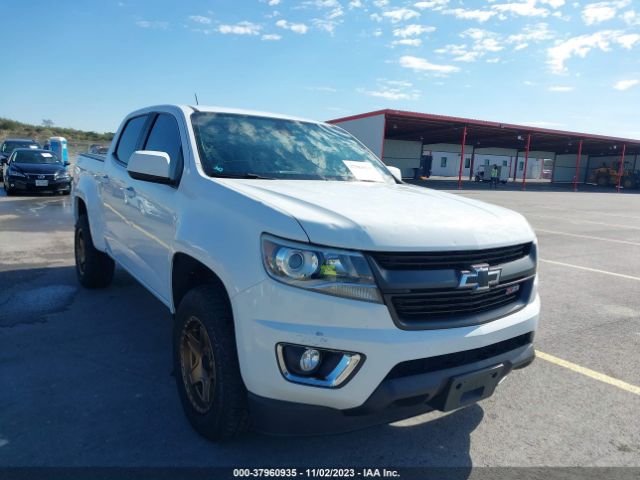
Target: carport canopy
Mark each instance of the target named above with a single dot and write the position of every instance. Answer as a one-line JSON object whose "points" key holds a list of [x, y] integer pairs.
{"points": [[433, 129]]}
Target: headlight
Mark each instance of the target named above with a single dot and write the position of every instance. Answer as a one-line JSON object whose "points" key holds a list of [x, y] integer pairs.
{"points": [[326, 270], [61, 176], [15, 173]]}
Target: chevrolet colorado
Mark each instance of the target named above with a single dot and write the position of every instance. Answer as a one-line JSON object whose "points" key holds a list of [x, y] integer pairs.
{"points": [[311, 289]]}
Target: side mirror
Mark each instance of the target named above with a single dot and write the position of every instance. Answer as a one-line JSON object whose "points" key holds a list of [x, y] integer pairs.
{"points": [[396, 172], [149, 166], [3, 160], [66, 163]]}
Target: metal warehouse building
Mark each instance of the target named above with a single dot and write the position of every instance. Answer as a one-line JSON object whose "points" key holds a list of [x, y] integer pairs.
{"points": [[410, 141]]}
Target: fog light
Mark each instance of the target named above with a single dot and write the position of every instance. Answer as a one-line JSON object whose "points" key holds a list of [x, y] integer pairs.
{"points": [[309, 360], [318, 367]]}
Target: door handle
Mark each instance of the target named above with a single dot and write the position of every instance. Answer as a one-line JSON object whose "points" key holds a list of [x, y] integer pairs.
{"points": [[130, 191], [105, 177]]}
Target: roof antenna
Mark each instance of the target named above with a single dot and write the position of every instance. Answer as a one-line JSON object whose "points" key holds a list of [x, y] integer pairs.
{"points": [[196, 95]]}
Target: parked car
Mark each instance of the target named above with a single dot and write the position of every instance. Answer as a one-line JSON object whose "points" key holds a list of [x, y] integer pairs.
{"points": [[311, 289], [10, 144], [35, 170], [99, 149]]}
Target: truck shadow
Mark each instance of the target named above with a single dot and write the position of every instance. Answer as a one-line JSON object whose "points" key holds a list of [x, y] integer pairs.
{"points": [[423, 442], [88, 382]]}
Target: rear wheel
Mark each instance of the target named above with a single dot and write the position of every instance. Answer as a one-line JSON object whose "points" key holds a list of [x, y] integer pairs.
{"points": [[206, 367], [94, 268], [627, 182], [602, 181]]}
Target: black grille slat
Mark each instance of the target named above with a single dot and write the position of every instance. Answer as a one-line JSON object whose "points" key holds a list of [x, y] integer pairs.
{"points": [[451, 307], [417, 307], [451, 259]]}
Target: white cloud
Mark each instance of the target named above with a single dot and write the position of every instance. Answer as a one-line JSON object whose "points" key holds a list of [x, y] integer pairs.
{"points": [[152, 24], [412, 30], [273, 3], [200, 19], [460, 53], [434, 4], [271, 37], [419, 64], [355, 4], [381, 3], [299, 28], [392, 90], [580, 46], [532, 33], [241, 28], [631, 17], [486, 42], [560, 88], [553, 3], [409, 42], [626, 84], [628, 40], [599, 12], [400, 15], [479, 15], [527, 8]]}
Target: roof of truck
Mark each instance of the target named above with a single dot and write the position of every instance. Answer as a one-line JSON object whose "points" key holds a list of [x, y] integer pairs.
{"points": [[215, 109], [254, 113]]}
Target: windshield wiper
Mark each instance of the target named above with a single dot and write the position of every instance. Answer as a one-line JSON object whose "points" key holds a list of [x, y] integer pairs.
{"points": [[253, 176]]}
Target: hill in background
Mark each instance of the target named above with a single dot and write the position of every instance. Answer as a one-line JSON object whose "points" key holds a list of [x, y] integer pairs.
{"points": [[78, 140]]}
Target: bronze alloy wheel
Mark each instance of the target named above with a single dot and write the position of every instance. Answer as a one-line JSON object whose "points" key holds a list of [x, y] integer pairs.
{"points": [[81, 253], [198, 365]]}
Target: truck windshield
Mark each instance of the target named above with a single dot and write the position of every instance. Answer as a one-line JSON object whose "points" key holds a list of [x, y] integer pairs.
{"points": [[245, 146]]}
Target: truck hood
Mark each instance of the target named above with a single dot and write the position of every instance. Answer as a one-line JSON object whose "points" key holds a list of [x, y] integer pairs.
{"points": [[377, 216]]}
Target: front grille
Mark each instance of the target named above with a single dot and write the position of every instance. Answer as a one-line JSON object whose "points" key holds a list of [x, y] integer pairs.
{"points": [[458, 359], [438, 304], [458, 259]]}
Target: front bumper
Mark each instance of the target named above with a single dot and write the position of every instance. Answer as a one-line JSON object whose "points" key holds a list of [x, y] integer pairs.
{"points": [[270, 313], [29, 185], [394, 399]]}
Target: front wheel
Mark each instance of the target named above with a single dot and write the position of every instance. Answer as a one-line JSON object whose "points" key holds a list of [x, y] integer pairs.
{"points": [[206, 367], [94, 268]]}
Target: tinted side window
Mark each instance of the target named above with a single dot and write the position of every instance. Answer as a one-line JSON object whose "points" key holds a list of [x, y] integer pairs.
{"points": [[129, 138], [165, 137]]}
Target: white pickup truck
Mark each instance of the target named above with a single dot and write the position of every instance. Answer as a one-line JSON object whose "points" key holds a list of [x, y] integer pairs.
{"points": [[311, 289]]}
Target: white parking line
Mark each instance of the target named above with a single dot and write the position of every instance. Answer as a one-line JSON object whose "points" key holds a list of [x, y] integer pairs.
{"points": [[588, 269], [590, 237]]}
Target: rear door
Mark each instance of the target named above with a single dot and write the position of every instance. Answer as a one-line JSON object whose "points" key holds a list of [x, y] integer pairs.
{"points": [[115, 193]]}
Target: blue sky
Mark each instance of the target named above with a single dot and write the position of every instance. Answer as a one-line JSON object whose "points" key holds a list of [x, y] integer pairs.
{"points": [[552, 63]]}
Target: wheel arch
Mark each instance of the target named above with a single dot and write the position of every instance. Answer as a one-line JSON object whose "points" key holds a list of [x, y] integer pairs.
{"points": [[187, 273], [79, 207]]}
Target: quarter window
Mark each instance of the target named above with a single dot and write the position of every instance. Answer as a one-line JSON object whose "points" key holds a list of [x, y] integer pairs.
{"points": [[443, 162], [129, 138]]}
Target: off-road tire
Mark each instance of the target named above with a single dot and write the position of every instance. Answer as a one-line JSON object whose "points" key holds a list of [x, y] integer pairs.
{"points": [[94, 268], [227, 415]]}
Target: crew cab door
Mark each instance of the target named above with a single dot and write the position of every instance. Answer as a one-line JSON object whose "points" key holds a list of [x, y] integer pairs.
{"points": [[148, 225]]}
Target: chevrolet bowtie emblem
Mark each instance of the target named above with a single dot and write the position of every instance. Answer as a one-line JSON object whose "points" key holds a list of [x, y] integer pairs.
{"points": [[480, 277]]}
